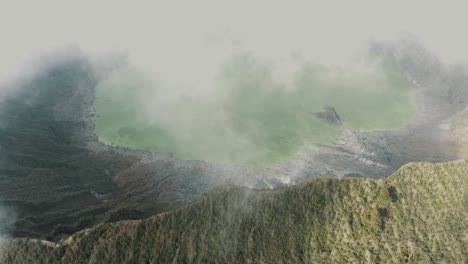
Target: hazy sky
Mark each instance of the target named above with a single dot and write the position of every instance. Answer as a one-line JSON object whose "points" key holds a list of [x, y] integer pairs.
{"points": [[193, 37]]}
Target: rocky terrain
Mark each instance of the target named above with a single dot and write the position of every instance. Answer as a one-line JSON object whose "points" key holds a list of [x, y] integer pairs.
{"points": [[330, 115], [56, 175], [60, 179]]}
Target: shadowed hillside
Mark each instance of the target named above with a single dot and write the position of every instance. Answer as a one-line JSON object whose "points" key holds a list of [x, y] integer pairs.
{"points": [[417, 215], [53, 171]]}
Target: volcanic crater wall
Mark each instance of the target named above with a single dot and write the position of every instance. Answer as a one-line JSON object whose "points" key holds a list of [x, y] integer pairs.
{"points": [[60, 179]]}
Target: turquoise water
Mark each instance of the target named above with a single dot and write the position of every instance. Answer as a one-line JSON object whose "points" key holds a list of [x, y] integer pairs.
{"points": [[251, 118]]}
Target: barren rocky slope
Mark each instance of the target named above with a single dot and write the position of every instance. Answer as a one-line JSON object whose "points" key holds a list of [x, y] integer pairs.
{"points": [[54, 172]]}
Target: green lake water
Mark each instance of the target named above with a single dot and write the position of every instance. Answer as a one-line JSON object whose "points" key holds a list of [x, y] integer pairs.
{"points": [[251, 118]]}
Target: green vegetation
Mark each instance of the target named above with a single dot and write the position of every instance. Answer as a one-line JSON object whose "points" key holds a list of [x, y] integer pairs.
{"points": [[252, 118], [417, 215]]}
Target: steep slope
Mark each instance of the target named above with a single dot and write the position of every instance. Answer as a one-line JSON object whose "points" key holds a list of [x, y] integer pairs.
{"points": [[53, 171], [417, 215]]}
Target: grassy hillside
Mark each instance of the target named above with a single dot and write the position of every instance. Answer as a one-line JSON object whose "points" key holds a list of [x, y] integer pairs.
{"points": [[417, 215]]}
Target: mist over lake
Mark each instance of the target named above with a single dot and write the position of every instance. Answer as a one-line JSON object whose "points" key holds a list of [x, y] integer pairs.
{"points": [[250, 116]]}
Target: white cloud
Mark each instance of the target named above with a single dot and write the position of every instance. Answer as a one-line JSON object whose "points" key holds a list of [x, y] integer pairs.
{"points": [[170, 37], [7, 219]]}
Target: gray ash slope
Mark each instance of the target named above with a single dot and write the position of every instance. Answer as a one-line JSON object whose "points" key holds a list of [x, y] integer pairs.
{"points": [[442, 93], [54, 172], [60, 179]]}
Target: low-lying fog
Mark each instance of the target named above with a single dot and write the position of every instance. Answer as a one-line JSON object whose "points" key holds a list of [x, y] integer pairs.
{"points": [[236, 82]]}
